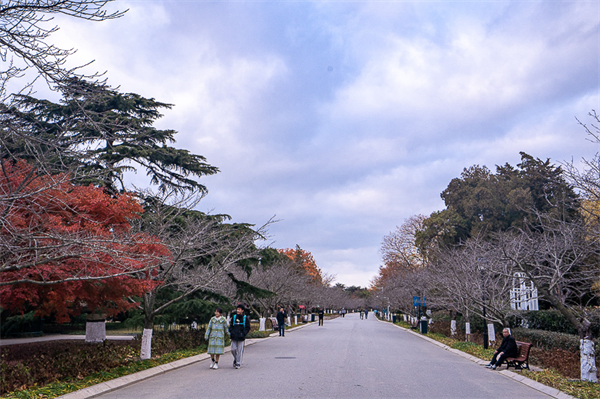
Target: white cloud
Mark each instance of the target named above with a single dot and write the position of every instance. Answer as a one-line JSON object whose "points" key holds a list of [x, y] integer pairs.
{"points": [[417, 91]]}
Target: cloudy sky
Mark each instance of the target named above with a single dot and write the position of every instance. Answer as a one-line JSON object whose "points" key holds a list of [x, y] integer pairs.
{"points": [[344, 118]]}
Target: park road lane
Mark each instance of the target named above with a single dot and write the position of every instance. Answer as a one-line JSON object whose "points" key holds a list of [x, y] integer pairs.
{"points": [[345, 358]]}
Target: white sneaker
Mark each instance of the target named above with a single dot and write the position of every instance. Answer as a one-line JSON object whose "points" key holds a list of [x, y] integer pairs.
{"points": [[216, 366], [212, 364]]}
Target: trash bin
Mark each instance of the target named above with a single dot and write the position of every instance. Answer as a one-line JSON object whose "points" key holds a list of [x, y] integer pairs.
{"points": [[393, 318], [423, 324], [312, 317]]}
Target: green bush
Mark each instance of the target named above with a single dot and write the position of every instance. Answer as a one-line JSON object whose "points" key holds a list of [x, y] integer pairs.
{"points": [[553, 320], [171, 340], [547, 339]]}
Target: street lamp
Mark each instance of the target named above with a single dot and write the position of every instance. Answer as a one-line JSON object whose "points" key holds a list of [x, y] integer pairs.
{"points": [[485, 329]]}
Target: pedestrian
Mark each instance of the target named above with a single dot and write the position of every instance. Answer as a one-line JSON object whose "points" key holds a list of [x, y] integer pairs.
{"points": [[362, 314], [239, 328], [321, 314], [508, 348], [215, 335], [343, 312], [281, 316], [366, 313]]}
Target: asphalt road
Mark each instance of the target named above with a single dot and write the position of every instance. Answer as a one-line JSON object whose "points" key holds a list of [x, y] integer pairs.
{"points": [[345, 358]]}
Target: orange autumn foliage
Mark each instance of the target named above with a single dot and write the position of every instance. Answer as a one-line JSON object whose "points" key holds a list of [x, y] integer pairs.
{"points": [[305, 261]]}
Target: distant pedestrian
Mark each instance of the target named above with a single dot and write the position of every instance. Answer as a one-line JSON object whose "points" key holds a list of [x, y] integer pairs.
{"points": [[343, 312], [321, 314], [239, 328], [366, 313], [281, 316], [215, 335], [362, 314]]}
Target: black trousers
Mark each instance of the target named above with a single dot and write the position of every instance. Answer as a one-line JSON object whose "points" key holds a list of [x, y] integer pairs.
{"points": [[498, 360], [320, 321]]}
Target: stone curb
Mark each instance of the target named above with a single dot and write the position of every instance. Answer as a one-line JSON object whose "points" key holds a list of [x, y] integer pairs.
{"points": [[117, 383], [553, 392]]}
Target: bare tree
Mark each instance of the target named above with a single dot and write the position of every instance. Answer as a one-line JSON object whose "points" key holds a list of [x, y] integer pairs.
{"points": [[561, 259], [470, 278], [204, 250], [398, 247], [25, 38]]}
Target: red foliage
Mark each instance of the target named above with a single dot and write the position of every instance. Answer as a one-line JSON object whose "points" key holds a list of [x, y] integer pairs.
{"points": [[72, 237]]}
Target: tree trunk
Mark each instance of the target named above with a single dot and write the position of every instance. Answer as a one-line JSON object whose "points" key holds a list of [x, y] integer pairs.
{"points": [[452, 323], [587, 354], [586, 345], [146, 350]]}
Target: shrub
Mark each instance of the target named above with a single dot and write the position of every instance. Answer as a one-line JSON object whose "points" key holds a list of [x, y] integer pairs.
{"points": [[41, 363], [547, 339], [172, 340], [553, 320]]}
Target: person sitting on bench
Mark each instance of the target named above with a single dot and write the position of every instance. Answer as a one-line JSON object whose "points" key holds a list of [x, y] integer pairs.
{"points": [[508, 348]]}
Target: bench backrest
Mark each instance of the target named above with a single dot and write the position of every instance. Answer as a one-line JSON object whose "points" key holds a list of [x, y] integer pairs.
{"points": [[523, 348]]}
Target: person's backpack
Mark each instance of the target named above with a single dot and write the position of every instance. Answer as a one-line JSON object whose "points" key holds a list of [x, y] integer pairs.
{"points": [[243, 321]]}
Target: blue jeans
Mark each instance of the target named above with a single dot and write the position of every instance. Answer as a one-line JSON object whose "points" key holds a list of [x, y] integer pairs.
{"points": [[282, 329]]}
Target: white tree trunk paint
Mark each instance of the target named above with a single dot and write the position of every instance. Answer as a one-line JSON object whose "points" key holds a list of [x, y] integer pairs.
{"points": [[468, 328], [95, 331], [296, 319], [491, 333], [452, 328], [289, 321], [146, 351], [262, 321], [588, 361]]}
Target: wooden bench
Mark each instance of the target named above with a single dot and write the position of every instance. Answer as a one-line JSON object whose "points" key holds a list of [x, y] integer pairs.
{"points": [[522, 360]]}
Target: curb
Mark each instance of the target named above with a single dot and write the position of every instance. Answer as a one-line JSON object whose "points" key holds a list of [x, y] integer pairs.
{"points": [[117, 383], [553, 392]]}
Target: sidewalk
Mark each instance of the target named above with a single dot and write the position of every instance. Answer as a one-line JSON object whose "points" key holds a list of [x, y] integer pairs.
{"points": [[553, 392], [16, 341]]}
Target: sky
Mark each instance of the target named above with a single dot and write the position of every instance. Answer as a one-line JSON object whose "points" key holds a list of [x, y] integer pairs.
{"points": [[341, 119]]}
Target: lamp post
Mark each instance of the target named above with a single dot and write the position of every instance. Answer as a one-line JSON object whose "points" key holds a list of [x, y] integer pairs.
{"points": [[485, 329]]}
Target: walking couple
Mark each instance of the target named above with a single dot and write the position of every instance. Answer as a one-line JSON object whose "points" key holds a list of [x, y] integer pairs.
{"points": [[215, 335]]}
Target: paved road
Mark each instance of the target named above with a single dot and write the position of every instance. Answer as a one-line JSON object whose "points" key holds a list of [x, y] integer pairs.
{"points": [[345, 358]]}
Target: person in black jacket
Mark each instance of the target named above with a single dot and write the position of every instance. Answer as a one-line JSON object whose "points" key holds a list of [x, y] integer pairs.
{"points": [[238, 329], [508, 348], [321, 314], [281, 316]]}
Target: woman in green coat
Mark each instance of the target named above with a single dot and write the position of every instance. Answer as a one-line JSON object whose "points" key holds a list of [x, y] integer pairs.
{"points": [[215, 335]]}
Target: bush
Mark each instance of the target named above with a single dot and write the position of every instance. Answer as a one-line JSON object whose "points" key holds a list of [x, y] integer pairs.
{"points": [[553, 320], [40, 363], [172, 340], [547, 339]]}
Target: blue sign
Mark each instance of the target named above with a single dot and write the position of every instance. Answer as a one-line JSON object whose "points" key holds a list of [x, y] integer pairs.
{"points": [[417, 301]]}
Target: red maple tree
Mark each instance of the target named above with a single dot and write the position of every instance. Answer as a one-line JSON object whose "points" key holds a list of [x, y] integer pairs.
{"points": [[66, 248]]}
